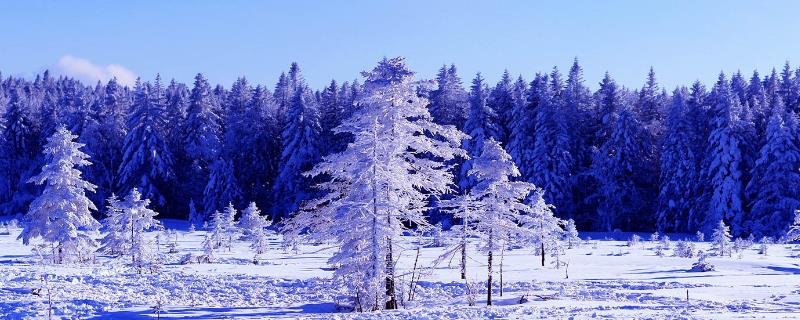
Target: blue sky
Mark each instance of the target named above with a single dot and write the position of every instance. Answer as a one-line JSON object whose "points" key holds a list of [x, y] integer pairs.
{"points": [[682, 40]]}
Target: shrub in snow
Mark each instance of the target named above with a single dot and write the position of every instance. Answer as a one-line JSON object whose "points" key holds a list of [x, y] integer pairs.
{"points": [[684, 249], [665, 243], [4, 230], [700, 236], [794, 230], [437, 238], [62, 214], [721, 240], [634, 240], [655, 237], [702, 265], [195, 219], [208, 250], [764, 245], [740, 245]]}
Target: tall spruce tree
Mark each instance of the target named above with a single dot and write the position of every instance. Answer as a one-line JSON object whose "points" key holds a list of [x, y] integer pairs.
{"points": [[773, 191], [723, 166], [679, 170], [301, 151], [147, 162]]}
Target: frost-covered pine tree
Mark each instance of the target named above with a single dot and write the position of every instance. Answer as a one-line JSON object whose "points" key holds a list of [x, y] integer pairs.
{"points": [[773, 190], [794, 230], [202, 133], [225, 228], [253, 224], [449, 100], [116, 241], [380, 184], [127, 221], [195, 219], [721, 239], [546, 228], [140, 219], [571, 234], [62, 214], [501, 211], [522, 139]]}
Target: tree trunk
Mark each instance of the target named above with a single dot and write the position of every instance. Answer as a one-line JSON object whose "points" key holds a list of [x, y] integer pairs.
{"points": [[392, 303], [502, 257], [489, 282], [464, 254], [542, 253]]}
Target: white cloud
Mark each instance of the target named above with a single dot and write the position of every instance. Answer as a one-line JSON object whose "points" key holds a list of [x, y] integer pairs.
{"points": [[85, 70]]}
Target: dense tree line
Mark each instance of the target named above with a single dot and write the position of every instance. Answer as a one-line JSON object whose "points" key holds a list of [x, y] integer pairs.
{"points": [[617, 158]]}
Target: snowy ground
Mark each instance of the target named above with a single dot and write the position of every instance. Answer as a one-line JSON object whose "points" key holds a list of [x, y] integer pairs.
{"points": [[607, 279]]}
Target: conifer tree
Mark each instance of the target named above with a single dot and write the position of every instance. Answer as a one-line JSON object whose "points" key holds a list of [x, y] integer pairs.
{"points": [[679, 171], [552, 162], [62, 214], [620, 168], [773, 191], [147, 163], [723, 169], [449, 100], [301, 151], [480, 126], [379, 184]]}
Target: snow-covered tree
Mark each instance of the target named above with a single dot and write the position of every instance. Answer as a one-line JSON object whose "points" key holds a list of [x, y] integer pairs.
{"points": [[147, 162], [546, 228], [252, 220], [62, 214], [222, 187], [480, 126], [449, 101], [116, 241], [379, 185], [620, 168], [253, 224], [522, 139], [126, 223], [225, 228], [195, 219], [571, 234], [552, 161], [723, 170], [501, 100], [794, 230], [773, 190], [202, 132], [499, 203], [301, 151], [721, 239], [679, 171], [140, 218]]}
